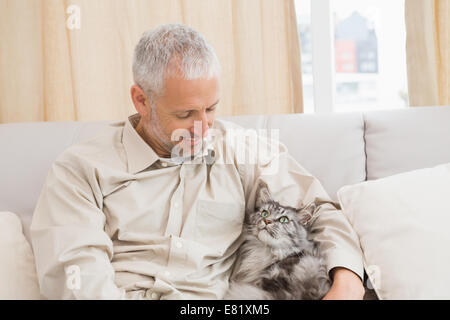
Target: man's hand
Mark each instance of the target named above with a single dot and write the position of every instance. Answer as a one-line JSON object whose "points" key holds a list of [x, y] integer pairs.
{"points": [[346, 285]]}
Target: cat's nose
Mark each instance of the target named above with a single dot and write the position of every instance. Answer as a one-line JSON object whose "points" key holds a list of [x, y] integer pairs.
{"points": [[267, 221]]}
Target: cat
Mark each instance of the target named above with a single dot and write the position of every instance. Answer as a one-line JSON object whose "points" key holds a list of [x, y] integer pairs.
{"points": [[276, 259]]}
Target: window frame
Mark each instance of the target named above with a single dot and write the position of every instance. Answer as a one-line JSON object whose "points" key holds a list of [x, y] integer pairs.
{"points": [[322, 44]]}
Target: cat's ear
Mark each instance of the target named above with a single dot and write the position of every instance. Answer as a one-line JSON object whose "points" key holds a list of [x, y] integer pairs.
{"points": [[262, 194], [306, 212]]}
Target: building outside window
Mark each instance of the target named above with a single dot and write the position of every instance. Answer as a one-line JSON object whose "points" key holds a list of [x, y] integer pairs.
{"points": [[369, 55]]}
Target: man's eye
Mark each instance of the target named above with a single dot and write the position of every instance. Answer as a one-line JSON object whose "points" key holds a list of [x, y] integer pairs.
{"points": [[211, 109], [184, 115]]}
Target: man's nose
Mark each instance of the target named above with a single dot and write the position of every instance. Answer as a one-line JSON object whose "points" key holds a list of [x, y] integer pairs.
{"points": [[204, 125]]}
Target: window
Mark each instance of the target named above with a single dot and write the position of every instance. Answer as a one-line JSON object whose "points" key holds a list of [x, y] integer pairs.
{"points": [[353, 54]]}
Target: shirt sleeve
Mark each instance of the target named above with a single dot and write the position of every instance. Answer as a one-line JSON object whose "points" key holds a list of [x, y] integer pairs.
{"points": [[292, 185], [72, 251]]}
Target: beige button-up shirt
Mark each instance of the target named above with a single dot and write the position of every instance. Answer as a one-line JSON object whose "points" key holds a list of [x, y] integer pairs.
{"points": [[114, 221]]}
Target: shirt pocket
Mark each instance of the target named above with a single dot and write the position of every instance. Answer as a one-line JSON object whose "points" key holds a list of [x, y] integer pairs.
{"points": [[218, 224]]}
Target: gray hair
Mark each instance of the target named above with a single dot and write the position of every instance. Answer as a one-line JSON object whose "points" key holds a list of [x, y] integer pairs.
{"points": [[172, 49]]}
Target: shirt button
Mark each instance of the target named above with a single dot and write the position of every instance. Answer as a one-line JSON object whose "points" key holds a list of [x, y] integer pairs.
{"points": [[167, 273], [164, 164], [178, 244], [152, 295], [176, 204]]}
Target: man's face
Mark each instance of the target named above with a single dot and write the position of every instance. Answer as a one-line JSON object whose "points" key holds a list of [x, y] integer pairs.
{"points": [[183, 103]]}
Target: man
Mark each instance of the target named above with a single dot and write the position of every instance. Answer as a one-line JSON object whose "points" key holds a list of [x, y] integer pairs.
{"points": [[124, 216]]}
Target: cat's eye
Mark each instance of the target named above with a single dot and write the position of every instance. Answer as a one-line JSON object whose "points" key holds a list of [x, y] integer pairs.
{"points": [[284, 220], [264, 213]]}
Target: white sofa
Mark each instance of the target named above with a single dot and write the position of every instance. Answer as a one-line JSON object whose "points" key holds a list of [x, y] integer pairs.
{"points": [[339, 149]]}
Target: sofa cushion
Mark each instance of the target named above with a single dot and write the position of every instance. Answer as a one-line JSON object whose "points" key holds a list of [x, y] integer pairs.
{"points": [[402, 224], [17, 267], [407, 139]]}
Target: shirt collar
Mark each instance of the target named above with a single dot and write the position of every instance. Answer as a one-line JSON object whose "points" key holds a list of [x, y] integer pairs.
{"points": [[139, 154]]}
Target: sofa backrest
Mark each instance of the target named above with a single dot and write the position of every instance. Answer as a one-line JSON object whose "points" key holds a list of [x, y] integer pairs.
{"points": [[407, 139], [332, 147]]}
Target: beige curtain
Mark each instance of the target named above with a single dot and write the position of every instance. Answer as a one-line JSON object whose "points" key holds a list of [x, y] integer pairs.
{"points": [[428, 51], [52, 69]]}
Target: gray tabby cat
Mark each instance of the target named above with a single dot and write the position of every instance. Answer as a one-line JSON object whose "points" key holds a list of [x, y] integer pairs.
{"points": [[276, 259]]}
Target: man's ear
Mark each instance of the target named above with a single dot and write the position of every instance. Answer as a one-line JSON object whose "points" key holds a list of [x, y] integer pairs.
{"points": [[140, 100], [262, 194]]}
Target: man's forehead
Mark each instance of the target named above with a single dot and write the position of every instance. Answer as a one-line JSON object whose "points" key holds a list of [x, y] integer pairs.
{"points": [[186, 94], [192, 106], [180, 84]]}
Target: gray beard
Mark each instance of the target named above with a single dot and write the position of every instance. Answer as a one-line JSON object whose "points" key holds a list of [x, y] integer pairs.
{"points": [[155, 130]]}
